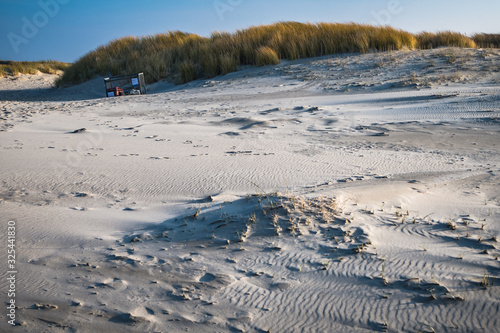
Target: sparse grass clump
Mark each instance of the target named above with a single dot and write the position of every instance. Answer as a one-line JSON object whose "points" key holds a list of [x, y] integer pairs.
{"points": [[429, 40], [31, 67], [487, 281]]}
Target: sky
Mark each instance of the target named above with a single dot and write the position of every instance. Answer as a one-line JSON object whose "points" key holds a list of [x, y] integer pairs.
{"points": [[65, 30]]}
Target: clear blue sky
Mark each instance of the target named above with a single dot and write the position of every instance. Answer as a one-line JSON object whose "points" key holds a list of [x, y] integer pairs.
{"points": [[67, 29]]}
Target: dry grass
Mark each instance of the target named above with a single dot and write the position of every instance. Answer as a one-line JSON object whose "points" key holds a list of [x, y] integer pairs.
{"points": [[266, 56], [187, 71], [429, 40], [182, 57], [487, 40], [31, 67]]}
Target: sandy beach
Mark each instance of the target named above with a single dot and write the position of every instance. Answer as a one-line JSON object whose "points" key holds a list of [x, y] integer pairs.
{"points": [[349, 193]]}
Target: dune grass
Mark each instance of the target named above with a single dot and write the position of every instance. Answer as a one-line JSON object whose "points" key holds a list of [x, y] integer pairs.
{"points": [[429, 40], [183, 57], [266, 56], [31, 67], [487, 40]]}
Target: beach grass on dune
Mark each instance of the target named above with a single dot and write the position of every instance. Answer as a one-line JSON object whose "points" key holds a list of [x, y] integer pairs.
{"points": [[31, 67], [266, 56], [429, 40], [487, 40], [183, 57]]}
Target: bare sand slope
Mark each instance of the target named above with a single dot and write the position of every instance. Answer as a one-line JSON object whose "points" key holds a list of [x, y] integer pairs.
{"points": [[352, 193]]}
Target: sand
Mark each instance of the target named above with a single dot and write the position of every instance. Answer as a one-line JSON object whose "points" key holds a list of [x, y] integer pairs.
{"points": [[351, 193]]}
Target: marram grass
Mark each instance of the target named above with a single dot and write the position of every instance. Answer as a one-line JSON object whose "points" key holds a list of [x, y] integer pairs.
{"points": [[487, 40], [31, 67], [429, 40], [182, 57], [266, 56]]}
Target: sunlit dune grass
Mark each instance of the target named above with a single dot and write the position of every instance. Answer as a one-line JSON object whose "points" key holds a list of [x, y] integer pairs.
{"points": [[183, 57], [429, 40], [31, 67]]}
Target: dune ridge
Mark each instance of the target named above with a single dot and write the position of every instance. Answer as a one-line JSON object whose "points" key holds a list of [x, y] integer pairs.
{"points": [[183, 57]]}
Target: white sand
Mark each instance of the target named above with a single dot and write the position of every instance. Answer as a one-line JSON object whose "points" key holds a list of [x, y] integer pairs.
{"points": [[352, 193]]}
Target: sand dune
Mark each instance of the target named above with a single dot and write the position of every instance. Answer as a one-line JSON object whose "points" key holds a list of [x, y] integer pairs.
{"points": [[353, 193]]}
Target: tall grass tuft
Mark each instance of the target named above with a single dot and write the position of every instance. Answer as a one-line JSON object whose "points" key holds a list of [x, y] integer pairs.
{"points": [[187, 71], [228, 63], [266, 56], [430, 40], [487, 40]]}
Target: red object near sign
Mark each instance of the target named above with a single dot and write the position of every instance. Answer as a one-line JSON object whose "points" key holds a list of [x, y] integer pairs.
{"points": [[118, 91], [133, 84], [115, 91]]}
